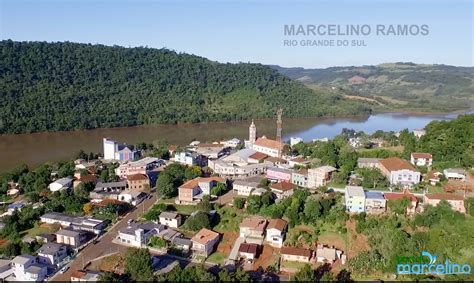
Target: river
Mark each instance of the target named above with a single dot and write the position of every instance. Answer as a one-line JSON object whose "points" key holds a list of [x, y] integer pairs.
{"points": [[36, 148]]}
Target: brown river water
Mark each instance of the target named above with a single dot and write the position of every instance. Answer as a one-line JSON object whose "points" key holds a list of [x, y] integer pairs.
{"points": [[36, 148]]}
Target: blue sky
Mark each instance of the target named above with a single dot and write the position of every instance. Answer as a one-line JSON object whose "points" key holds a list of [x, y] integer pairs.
{"points": [[250, 31]]}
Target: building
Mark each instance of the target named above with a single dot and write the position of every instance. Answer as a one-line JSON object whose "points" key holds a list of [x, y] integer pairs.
{"points": [[193, 190], [295, 254], [233, 143], [257, 157], [143, 166], [183, 244], [60, 184], [5, 269], [239, 164], [138, 182], [419, 132], [212, 150], [368, 162], [456, 201], [267, 146], [295, 140], [85, 276], [83, 223], [90, 178], [204, 242], [26, 268], [434, 177], [249, 250], [300, 178], [325, 254], [455, 174], [283, 189], [190, 158], [114, 151], [52, 254], [320, 176], [244, 187], [253, 227], [16, 206], [299, 161], [399, 171], [421, 159], [275, 232], [375, 202], [132, 197], [413, 200], [170, 219], [71, 237], [110, 190], [279, 174], [137, 234], [354, 199]]}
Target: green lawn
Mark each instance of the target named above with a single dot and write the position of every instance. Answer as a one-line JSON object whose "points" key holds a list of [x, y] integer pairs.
{"points": [[292, 264], [35, 231], [217, 258], [435, 190]]}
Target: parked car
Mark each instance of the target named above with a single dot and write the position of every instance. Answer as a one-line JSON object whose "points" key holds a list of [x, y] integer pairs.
{"points": [[64, 269]]}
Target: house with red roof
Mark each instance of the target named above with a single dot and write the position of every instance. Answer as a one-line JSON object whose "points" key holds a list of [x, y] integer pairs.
{"points": [[399, 171], [421, 159], [456, 201]]}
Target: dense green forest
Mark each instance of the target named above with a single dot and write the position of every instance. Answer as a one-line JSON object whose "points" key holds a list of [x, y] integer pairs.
{"points": [[394, 86], [66, 86]]}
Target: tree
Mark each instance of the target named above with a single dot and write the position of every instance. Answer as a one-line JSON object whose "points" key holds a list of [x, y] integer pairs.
{"points": [[399, 206], [108, 277], [88, 208], [218, 189], [165, 186], [198, 221], [253, 204], [138, 264], [205, 204], [157, 242], [305, 274], [239, 203]]}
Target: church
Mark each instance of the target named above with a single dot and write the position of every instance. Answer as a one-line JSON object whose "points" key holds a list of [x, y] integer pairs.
{"points": [[263, 144]]}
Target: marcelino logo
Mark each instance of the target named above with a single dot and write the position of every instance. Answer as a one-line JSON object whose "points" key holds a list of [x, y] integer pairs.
{"points": [[426, 264]]}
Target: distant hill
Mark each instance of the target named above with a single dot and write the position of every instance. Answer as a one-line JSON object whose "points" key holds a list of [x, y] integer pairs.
{"points": [[66, 86], [396, 86]]}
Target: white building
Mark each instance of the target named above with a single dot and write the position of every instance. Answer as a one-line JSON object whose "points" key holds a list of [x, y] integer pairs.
{"points": [[5, 268], [276, 230], [267, 146], [83, 223], [26, 268], [455, 174], [60, 184], [190, 158], [137, 235], [233, 143], [170, 219], [419, 132], [295, 140], [52, 253], [132, 197], [243, 187], [354, 198], [421, 159], [399, 171]]}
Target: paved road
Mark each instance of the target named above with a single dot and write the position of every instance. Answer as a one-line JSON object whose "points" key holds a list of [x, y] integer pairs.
{"points": [[105, 245]]}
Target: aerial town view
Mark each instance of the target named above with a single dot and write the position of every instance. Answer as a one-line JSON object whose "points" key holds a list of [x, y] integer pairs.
{"points": [[236, 141]]}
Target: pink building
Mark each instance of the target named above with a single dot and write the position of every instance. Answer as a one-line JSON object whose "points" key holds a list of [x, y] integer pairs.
{"points": [[279, 174]]}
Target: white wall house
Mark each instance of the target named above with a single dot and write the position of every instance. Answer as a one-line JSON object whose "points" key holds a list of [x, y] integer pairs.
{"points": [[455, 174], [52, 253], [170, 219], [421, 159], [60, 184], [275, 233], [137, 235], [27, 268]]}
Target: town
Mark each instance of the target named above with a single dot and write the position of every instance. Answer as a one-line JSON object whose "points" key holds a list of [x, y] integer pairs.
{"points": [[254, 209]]}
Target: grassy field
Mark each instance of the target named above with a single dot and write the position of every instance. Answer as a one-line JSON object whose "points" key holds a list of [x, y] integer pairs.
{"points": [[293, 264], [217, 258], [33, 232], [230, 220]]}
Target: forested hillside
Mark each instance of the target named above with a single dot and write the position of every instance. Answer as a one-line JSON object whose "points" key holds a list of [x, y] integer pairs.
{"points": [[396, 86], [66, 86]]}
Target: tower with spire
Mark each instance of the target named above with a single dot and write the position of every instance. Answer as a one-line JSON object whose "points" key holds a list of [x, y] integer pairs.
{"points": [[252, 134]]}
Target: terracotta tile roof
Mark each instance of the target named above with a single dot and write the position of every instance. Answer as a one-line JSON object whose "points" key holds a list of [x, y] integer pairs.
{"points": [[264, 142], [137, 177], [254, 223], [395, 164], [258, 156], [445, 196], [400, 196], [302, 171], [300, 159], [422, 155], [275, 159], [88, 178], [77, 274], [107, 201], [172, 148], [278, 224], [191, 184], [204, 236], [248, 248], [284, 186], [295, 251], [433, 175]]}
